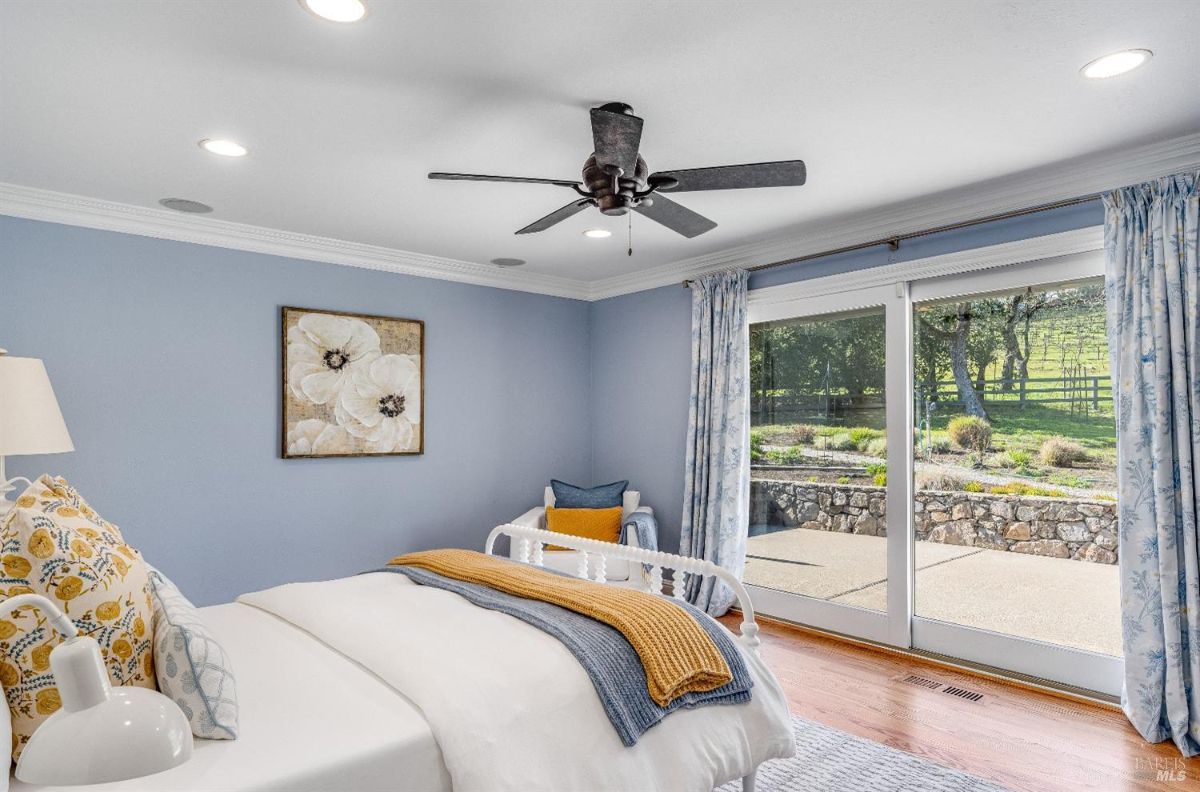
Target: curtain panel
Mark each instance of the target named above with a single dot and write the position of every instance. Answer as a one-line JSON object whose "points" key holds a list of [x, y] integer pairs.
{"points": [[1152, 284], [717, 468]]}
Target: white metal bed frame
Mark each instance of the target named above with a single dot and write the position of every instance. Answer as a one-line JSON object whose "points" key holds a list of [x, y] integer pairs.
{"points": [[530, 548]]}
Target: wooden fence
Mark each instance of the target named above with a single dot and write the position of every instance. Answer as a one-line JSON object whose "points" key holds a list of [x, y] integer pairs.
{"points": [[1081, 392]]}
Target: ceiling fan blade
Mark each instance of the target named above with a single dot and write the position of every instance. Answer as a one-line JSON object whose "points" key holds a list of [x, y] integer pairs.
{"points": [[557, 216], [517, 179], [678, 218], [788, 173], [616, 135]]}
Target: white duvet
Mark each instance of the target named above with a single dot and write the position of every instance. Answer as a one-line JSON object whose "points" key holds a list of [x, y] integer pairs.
{"points": [[510, 707]]}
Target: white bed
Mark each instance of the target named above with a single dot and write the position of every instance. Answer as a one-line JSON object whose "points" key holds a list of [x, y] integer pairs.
{"points": [[375, 683]]}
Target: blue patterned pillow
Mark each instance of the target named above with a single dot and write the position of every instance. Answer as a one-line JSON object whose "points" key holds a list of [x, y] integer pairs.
{"points": [[193, 670], [606, 496]]}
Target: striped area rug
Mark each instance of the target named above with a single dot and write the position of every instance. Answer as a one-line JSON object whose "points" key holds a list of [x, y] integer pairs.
{"points": [[828, 760]]}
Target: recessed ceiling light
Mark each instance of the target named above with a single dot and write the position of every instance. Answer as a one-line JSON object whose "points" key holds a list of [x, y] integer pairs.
{"points": [[597, 233], [185, 205], [508, 262], [337, 10], [1116, 63], [224, 148]]}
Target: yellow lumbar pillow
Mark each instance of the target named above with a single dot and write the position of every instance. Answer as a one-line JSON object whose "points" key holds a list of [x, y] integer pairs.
{"points": [[52, 543], [600, 524]]}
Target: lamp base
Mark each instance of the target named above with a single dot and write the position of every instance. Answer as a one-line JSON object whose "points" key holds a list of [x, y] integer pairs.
{"points": [[134, 732]]}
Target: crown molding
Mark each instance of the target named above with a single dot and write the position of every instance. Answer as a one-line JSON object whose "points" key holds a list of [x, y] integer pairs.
{"points": [[55, 207], [1067, 179]]}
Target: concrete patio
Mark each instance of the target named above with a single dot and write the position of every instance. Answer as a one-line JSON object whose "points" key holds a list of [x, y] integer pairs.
{"points": [[1061, 601]]}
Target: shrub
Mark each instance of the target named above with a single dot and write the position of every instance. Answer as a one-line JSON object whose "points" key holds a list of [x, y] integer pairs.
{"points": [[803, 434], [843, 480], [875, 468], [792, 456], [1016, 459], [1021, 488], [880, 479], [784, 456], [972, 486], [757, 439], [971, 433], [1061, 452], [877, 447], [840, 442], [940, 445], [860, 436], [938, 481]]}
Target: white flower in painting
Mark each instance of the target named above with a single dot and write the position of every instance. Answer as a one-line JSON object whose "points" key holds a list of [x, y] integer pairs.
{"points": [[382, 404], [323, 352], [314, 437]]}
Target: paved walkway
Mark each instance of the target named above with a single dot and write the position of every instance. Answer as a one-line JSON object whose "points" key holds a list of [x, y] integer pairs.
{"points": [[1073, 603]]}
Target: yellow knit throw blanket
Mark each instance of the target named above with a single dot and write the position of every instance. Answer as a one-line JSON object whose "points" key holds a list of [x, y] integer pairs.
{"points": [[678, 655]]}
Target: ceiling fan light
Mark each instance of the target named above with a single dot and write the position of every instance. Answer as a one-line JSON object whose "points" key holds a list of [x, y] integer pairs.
{"points": [[336, 10], [597, 233], [1115, 63]]}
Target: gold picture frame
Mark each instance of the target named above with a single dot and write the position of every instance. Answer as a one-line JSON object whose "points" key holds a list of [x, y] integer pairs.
{"points": [[350, 381]]}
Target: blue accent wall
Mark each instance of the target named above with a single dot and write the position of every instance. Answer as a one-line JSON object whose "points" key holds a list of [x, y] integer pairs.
{"points": [[641, 356], [165, 359]]}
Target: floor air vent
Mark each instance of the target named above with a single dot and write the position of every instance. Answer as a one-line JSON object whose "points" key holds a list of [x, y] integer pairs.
{"points": [[920, 681], [969, 695]]}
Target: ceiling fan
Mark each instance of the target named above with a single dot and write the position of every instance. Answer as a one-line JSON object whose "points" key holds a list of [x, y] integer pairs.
{"points": [[616, 179]]}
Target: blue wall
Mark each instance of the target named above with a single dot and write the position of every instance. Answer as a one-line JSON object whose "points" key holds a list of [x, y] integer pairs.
{"points": [[164, 357], [640, 350], [641, 366]]}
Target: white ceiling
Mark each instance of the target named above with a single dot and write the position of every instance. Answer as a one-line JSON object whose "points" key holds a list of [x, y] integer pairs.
{"points": [[885, 101]]}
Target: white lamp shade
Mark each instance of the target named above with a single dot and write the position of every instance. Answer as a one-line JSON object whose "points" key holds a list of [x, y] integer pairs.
{"points": [[30, 421]]}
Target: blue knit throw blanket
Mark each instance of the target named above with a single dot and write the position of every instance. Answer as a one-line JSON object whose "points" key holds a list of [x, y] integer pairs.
{"points": [[610, 661]]}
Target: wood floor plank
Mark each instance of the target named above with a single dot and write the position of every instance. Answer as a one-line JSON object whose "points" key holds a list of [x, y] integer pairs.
{"points": [[1022, 738]]}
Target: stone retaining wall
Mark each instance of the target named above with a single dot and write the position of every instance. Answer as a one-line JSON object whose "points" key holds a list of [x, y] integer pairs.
{"points": [[1085, 530]]}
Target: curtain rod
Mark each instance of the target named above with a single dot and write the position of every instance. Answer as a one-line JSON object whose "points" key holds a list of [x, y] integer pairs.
{"points": [[893, 242]]}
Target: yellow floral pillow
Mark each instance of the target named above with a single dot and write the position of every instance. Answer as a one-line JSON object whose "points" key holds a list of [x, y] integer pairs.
{"points": [[52, 543]]}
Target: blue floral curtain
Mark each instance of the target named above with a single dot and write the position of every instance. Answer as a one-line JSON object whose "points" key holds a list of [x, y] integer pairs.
{"points": [[1153, 294], [717, 484]]}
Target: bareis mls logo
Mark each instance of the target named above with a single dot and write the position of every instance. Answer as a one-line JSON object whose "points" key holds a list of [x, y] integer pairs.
{"points": [[1162, 769]]}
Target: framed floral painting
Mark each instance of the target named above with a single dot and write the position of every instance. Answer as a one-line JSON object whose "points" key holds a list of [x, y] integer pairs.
{"points": [[353, 384]]}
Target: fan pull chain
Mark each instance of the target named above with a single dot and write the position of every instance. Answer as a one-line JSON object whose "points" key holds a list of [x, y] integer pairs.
{"points": [[630, 215]]}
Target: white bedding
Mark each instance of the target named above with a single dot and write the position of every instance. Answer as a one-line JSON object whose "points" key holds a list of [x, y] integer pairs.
{"points": [[374, 683], [311, 720], [510, 706]]}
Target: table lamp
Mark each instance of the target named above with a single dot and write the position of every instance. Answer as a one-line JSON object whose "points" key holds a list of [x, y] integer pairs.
{"points": [[30, 421], [100, 733]]}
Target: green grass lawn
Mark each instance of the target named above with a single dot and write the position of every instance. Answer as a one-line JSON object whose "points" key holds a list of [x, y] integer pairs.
{"points": [[1014, 429], [1026, 428]]}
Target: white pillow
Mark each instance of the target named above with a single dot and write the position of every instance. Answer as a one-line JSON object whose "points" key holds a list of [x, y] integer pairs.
{"points": [[194, 670]]}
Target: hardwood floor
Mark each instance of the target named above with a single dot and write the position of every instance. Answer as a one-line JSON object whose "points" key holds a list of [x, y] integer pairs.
{"points": [[1022, 738]]}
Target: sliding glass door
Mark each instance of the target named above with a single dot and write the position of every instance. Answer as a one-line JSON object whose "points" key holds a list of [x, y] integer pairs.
{"points": [[821, 400], [933, 467]]}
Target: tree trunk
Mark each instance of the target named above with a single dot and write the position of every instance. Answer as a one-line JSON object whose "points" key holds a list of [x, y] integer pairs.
{"points": [[1012, 348], [1023, 373], [960, 366]]}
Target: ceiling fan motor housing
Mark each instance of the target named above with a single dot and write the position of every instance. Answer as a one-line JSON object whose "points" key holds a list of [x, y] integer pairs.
{"points": [[618, 198]]}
